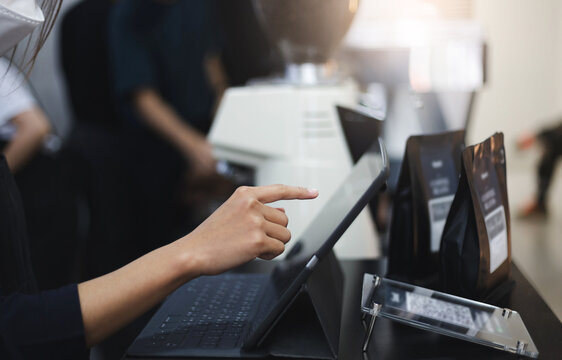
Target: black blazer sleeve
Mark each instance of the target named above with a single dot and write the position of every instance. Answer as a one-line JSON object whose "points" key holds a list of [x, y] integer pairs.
{"points": [[47, 325]]}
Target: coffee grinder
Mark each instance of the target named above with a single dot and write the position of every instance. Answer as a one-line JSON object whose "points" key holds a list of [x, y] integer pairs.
{"points": [[287, 128]]}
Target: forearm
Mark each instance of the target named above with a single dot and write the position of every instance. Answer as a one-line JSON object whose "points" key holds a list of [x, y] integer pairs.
{"points": [[242, 229], [217, 78], [164, 120], [111, 301], [32, 127]]}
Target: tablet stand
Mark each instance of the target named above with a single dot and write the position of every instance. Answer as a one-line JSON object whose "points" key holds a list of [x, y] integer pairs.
{"points": [[310, 325]]}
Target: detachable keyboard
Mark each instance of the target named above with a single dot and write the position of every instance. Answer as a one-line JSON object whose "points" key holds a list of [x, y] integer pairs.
{"points": [[218, 312]]}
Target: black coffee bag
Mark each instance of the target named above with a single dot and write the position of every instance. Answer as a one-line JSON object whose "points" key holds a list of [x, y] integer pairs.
{"points": [[476, 243], [426, 188]]}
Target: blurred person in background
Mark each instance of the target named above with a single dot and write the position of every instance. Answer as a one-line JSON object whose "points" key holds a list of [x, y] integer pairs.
{"points": [[164, 60], [95, 146], [24, 129], [23, 125], [550, 141]]}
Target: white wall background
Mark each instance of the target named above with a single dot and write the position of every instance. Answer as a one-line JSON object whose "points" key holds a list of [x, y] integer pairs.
{"points": [[524, 92], [524, 88]]}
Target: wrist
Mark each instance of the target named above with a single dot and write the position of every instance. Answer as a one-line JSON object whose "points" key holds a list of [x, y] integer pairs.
{"points": [[185, 146], [186, 261]]}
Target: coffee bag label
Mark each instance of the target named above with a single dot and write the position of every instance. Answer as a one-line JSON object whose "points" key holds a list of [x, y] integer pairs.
{"points": [[497, 235], [441, 184], [487, 187], [438, 211]]}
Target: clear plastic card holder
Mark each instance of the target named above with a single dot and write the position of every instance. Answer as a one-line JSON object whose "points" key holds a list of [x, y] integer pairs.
{"points": [[445, 314]]}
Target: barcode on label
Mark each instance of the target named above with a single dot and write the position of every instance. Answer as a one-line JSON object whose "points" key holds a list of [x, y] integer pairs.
{"points": [[496, 228], [440, 209], [495, 223], [438, 212]]}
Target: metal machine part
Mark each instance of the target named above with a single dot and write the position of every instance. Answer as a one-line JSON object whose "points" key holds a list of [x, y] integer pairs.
{"points": [[306, 31]]}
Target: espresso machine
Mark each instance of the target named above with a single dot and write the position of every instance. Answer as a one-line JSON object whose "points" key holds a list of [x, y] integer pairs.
{"points": [[286, 128]]}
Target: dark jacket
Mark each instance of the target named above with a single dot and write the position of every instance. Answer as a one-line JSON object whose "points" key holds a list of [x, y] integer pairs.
{"points": [[33, 325]]}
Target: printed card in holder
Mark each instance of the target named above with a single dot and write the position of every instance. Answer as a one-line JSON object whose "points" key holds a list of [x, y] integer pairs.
{"points": [[445, 314]]}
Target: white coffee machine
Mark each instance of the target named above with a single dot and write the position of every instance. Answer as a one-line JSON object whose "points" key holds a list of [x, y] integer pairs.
{"points": [[287, 128]]}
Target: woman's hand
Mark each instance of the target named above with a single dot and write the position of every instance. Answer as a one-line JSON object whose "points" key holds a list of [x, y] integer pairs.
{"points": [[242, 229]]}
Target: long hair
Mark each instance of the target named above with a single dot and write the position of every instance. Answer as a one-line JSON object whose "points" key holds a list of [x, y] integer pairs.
{"points": [[36, 40]]}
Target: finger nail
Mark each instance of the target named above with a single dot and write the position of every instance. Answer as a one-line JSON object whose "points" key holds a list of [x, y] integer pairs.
{"points": [[313, 191]]}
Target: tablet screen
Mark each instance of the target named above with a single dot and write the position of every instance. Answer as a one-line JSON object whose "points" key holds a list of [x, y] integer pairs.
{"points": [[365, 179]]}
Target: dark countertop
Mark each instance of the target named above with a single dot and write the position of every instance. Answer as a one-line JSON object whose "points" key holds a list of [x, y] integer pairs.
{"points": [[396, 341]]}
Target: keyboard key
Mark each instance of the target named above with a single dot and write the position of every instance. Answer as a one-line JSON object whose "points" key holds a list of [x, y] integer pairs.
{"points": [[154, 343], [192, 341], [218, 326], [230, 337], [167, 326], [216, 333], [201, 327], [176, 338], [173, 319], [230, 333], [199, 333], [158, 337], [227, 343]]}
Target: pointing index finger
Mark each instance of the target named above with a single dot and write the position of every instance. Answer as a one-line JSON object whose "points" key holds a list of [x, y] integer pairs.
{"points": [[271, 193]]}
